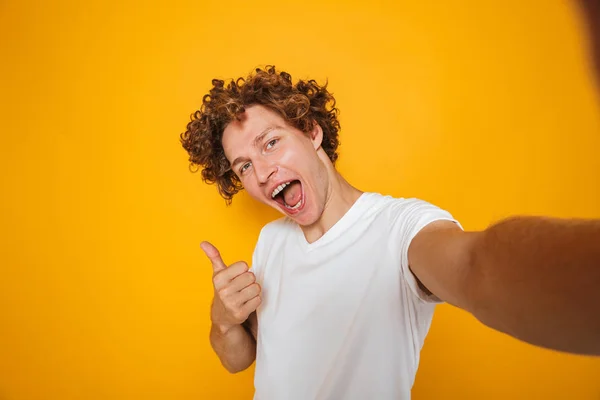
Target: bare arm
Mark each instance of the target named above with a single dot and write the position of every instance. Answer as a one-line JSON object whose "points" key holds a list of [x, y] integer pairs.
{"points": [[534, 278], [235, 347], [233, 312]]}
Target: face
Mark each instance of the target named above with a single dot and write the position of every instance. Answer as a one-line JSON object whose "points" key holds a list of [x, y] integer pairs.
{"points": [[278, 164]]}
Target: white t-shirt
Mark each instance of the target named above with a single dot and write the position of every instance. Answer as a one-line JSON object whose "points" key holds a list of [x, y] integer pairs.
{"points": [[342, 317]]}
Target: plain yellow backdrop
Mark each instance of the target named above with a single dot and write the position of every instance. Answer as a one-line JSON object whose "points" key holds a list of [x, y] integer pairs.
{"points": [[484, 108]]}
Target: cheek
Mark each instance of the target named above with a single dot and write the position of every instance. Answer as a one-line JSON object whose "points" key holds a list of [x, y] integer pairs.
{"points": [[254, 192], [300, 156]]}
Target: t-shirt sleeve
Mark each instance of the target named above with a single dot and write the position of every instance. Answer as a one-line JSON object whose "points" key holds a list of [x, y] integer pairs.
{"points": [[414, 215]]}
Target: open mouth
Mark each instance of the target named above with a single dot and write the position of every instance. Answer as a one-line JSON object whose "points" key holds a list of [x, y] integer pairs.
{"points": [[289, 195]]}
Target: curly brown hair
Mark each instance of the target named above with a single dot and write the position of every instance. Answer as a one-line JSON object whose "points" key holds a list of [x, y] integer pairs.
{"points": [[301, 105]]}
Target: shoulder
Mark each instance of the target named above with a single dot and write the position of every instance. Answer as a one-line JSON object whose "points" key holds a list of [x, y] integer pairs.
{"points": [[390, 201], [275, 228], [406, 217], [273, 231], [268, 237], [402, 210]]}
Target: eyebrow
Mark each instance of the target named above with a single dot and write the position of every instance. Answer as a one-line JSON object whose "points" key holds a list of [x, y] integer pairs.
{"points": [[256, 142]]}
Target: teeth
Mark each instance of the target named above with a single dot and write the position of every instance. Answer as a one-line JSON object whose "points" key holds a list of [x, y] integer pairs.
{"points": [[296, 206], [279, 189]]}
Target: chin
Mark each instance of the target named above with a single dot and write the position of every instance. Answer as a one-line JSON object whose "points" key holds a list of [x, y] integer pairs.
{"points": [[303, 216], [305, 219]]}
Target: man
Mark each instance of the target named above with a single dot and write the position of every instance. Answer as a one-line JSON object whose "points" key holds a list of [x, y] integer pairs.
{"points": [[342, 289]]}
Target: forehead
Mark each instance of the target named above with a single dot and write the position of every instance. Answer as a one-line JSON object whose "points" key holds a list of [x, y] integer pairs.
{"points": [[239, 134]]}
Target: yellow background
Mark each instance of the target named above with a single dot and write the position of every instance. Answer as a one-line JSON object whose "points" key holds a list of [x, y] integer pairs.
{"points": [[484, 108]]}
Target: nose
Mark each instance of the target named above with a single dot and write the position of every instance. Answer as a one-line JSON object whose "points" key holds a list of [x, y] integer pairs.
{"points": [[263, 170]]}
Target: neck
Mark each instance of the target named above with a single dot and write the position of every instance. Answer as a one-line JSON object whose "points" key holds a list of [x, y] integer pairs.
{"points": [[340, 198]]}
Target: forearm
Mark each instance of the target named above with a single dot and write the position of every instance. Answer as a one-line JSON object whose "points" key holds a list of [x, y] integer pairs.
{"points": [[538, 279], [235, 347]]}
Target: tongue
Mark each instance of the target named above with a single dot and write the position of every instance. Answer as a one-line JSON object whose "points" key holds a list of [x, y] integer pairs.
{"points": [[292, 193]]}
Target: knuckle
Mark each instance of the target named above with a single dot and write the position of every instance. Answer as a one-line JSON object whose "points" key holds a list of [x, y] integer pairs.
{"points": [[241, 265], [245, 279], [255, 302], [223, 292], [220, 280], [242, 278], [252, 291], [248, 289]]}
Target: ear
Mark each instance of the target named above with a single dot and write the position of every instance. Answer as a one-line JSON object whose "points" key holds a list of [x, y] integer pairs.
{"points": [[316, 135]]}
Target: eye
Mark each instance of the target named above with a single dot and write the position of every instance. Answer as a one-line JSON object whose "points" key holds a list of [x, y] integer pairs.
{"points": [[271, 143], [245, 167]]}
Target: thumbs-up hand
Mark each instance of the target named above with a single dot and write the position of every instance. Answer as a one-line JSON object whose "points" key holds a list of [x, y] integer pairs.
{"points": [[237, 294]]}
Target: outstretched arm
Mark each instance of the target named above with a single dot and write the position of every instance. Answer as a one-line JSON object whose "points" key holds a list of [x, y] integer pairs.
{"points": [[534, 278]]}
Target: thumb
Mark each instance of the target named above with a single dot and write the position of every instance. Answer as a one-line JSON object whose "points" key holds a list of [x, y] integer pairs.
{"points": [[215, 257]]}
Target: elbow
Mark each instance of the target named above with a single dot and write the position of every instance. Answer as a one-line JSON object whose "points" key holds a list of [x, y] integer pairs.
{"points": [[238, 364], [482, 299], [234, 369], [474, 275]]}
